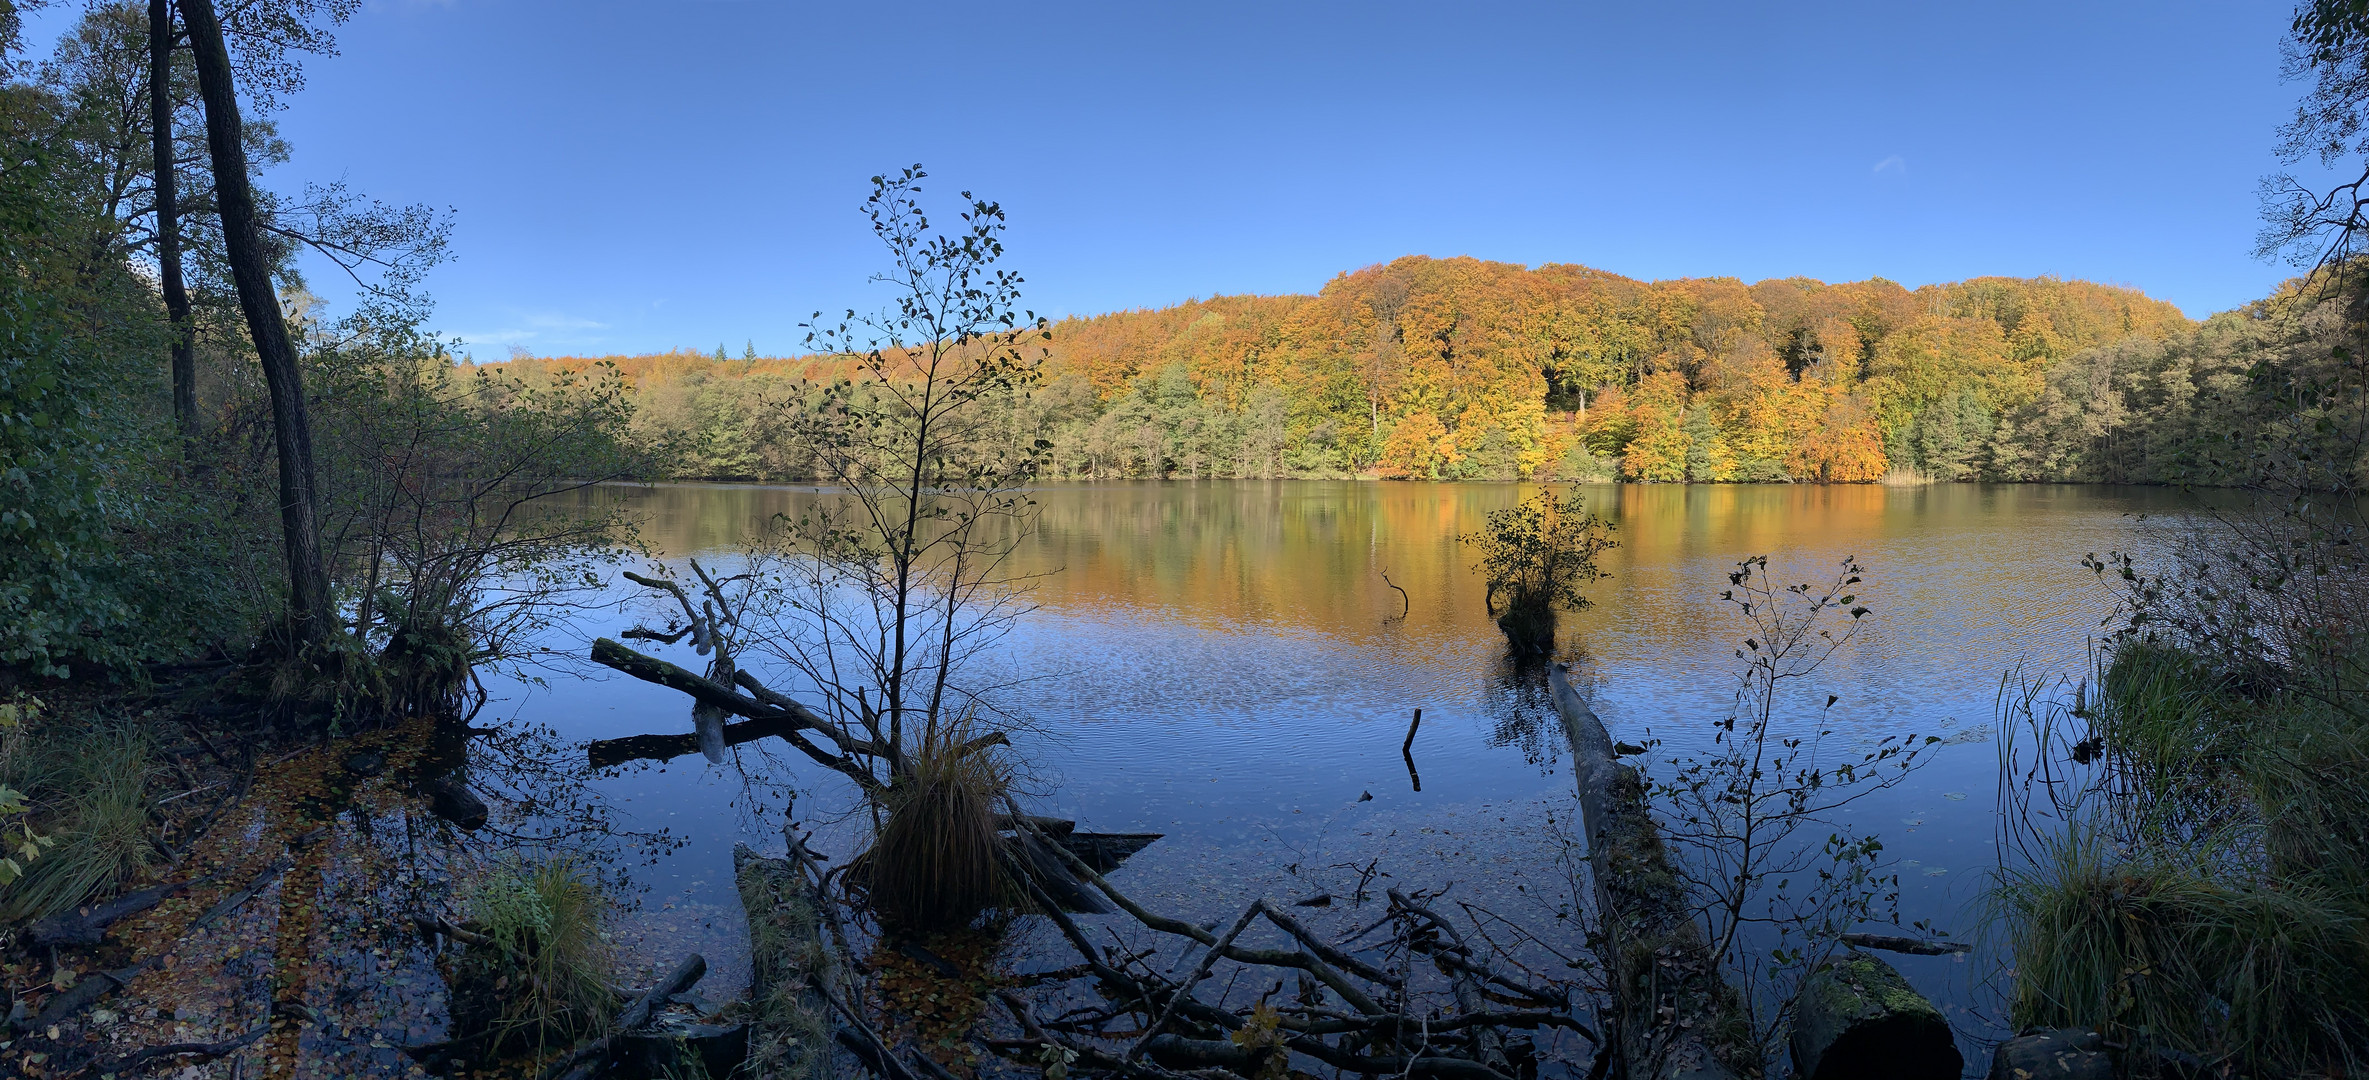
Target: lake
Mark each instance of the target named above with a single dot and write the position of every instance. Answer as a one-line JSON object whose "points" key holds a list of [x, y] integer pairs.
{"points": [[1224, 663]]}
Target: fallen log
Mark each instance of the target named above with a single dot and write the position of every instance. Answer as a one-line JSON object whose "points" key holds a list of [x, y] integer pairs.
{"points": [[796, 719], [789, 964], [685, 975], [702, 689], [1676, 1016], [88, 925], [1897, 943], [1857, 1017]]}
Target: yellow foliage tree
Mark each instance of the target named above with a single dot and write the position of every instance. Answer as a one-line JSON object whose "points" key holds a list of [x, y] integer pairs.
{"points": [[1417, 447]]}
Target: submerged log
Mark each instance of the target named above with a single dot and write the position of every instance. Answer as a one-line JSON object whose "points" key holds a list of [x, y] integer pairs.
{"points": [[685, 975], [1909, 945], [88, 924], [1676, 1016], [1032, 854], [1857, 1017], [669, 1048], [449, 796], [1104, 851], [1050, 826]]}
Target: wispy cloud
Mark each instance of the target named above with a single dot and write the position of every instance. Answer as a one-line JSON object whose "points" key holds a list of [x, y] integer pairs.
{"points": [[1895, 163], [539, 327]]}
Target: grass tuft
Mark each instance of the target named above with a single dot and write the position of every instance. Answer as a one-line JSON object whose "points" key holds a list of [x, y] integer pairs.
{"points": [[544, 981], [937, 862], [2183, 956], [89, 790]]}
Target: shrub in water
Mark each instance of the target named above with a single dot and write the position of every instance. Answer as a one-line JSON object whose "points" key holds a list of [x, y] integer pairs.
{"points": [[1536, 558]]}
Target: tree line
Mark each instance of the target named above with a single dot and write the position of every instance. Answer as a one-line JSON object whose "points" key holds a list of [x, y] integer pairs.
{"points": [[1427, 368]]}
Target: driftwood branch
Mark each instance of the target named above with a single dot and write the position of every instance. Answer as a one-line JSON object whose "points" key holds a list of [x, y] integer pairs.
{"points": [[434, 926], [1183, 1032], [1185, 989], [795, 719], [684, 976], [587, 1058], [99, 984], [142, 1058], [87, 926]]}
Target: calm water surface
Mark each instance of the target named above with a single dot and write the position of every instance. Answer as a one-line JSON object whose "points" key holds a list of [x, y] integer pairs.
{"points": [[1223, 663]]}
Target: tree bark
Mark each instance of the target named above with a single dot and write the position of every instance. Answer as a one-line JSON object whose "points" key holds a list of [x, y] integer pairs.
{"points": [[168, 216], [242, 238]]}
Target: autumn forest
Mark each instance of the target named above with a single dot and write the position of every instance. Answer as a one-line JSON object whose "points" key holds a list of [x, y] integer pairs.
{"points": [[1458, 368]]}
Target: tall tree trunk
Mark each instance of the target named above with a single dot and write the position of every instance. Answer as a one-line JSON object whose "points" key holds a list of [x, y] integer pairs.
{"points": [[168, 216], [308, 583]]}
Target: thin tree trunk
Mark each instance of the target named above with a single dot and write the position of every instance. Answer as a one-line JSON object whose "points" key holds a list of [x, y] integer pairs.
{"points": [[308, 585], [168, 216]]}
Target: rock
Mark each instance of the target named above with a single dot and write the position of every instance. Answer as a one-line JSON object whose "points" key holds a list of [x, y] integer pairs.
{"points": [[2053, 1054], [1858, 1017], [449, 796], [365, 763]]}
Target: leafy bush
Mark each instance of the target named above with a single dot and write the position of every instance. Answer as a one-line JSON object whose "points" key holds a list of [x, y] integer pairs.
{"points": [[15, 812], [1537, 557]]}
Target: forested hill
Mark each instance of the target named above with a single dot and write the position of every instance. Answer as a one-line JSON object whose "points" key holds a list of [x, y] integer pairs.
{"points": [[1460, 368]]}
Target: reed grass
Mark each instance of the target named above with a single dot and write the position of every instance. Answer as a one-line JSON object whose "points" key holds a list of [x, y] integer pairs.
{"points": [[88, 787], [2212, 900], [2173, 953], [937, 862]]}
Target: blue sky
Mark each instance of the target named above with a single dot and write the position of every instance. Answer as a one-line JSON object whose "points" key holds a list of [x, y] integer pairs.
{"points": [[630, 177]]}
